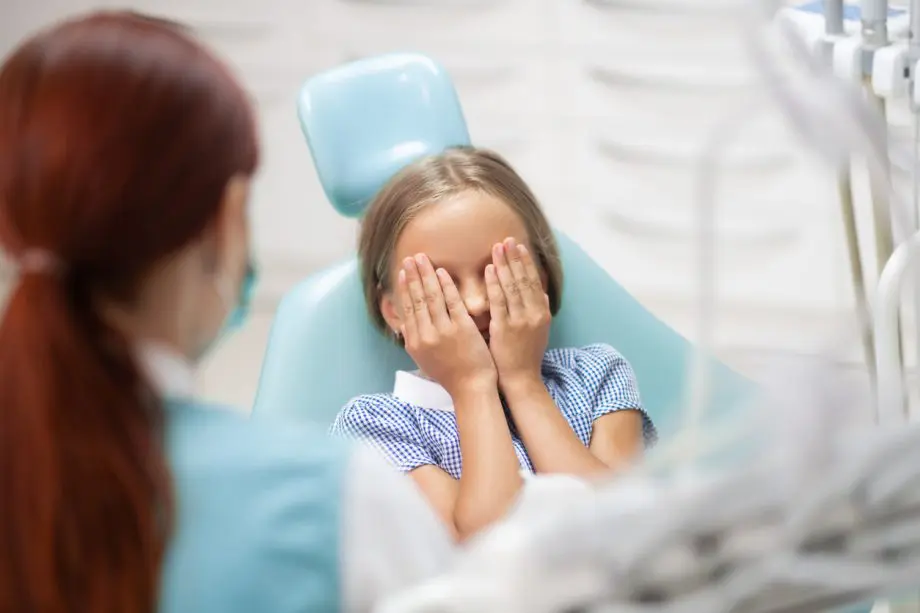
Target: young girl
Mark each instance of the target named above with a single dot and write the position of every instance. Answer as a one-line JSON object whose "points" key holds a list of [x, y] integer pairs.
{"points": [[459, 264]]}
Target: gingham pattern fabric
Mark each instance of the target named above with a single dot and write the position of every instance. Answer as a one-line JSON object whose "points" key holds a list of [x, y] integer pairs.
{"points": [[585, 384]]}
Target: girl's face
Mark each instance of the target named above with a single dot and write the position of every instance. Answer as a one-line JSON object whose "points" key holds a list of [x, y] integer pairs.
{"points": [[457, 234]]}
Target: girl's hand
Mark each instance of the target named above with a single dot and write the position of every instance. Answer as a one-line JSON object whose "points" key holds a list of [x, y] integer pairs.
{"points": [[439, 333], [519, 308]]}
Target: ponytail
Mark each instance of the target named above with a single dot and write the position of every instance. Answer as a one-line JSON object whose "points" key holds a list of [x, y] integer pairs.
{"points": [[84, 488], [102, 181]]}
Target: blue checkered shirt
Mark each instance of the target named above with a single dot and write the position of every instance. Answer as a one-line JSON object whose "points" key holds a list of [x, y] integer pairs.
{"points": [[585, 383]]}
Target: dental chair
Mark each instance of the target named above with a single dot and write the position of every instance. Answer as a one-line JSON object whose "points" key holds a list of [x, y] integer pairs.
{"points": [[363, 122]]}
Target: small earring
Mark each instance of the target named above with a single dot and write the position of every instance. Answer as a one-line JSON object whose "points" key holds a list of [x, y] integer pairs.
{"points": [[397, 335]]}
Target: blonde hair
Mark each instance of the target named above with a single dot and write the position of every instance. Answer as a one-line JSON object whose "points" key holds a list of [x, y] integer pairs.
{"points": [[433, 179]]}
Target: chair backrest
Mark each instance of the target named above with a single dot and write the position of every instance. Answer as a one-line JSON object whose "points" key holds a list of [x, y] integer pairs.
{"points": [[364, 122]]}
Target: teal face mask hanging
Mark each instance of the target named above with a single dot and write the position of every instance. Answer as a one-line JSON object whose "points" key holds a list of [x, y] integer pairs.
{"points": [[237, 309], [240, 312]]}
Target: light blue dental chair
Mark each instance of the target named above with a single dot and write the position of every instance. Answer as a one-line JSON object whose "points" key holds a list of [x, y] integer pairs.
{"points": [[363, 122]]}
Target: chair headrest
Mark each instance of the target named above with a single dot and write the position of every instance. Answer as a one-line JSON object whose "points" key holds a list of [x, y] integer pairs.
{"points": [[366, 120]]}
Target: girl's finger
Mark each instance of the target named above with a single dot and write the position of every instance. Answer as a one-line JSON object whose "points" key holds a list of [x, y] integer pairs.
{"points": [[498, 306], [513, 255], [530, 267], [509, 286], [530, 293], [434, 295], [417, 301], [410, 330], [452, 300]]}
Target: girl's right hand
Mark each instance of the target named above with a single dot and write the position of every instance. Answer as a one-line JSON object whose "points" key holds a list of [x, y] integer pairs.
{"points": [[439, 333]]}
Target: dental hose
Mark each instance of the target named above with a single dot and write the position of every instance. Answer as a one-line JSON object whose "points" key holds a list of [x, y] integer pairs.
{"points": [[875, 35], [863, 314], [833, 26], [881, 214]]}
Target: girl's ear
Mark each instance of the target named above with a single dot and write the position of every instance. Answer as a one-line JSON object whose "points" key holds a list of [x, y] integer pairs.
{"points": [[390, 311]]}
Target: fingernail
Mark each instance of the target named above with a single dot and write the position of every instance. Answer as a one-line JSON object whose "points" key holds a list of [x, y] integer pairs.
{"points": [[420, 259], [510, 242], [407, 263], [497, 249], [522, 248]]}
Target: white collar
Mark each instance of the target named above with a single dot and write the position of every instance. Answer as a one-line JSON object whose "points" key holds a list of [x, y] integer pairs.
{"points": [[168, 371], [410, 387]]}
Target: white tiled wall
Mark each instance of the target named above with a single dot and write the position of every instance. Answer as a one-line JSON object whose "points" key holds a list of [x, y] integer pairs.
{"points": [[604, 107]]}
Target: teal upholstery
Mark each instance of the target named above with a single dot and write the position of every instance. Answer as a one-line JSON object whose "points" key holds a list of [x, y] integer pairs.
{"points": [[363, 122], [366, 120]]}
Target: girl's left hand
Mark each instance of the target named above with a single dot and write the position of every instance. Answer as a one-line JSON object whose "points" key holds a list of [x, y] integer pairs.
{"points": [[520, 315]]}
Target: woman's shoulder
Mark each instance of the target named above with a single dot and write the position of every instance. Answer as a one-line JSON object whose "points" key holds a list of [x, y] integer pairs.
{"points": [[217, 439], [256, 500], [275, 514]]}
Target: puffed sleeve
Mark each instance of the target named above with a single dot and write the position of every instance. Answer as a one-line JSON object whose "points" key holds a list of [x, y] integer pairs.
{"points": [[391, 538], [388, 425], [611, 384]]}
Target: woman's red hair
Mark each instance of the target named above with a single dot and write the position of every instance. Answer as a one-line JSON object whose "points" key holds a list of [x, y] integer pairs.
{"points": [[118, 135]]}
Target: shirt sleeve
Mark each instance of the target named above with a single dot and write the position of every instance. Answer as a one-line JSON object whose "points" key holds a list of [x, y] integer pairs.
{"points": [[391, 538], [611, 383], [389, 426]]}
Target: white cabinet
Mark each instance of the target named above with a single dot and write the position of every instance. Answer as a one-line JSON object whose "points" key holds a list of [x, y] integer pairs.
{"points": [[460, 24], [650, 88]]}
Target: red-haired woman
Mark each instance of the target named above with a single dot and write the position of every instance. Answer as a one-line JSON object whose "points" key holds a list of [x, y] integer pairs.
{"points": [[126, 153]]}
